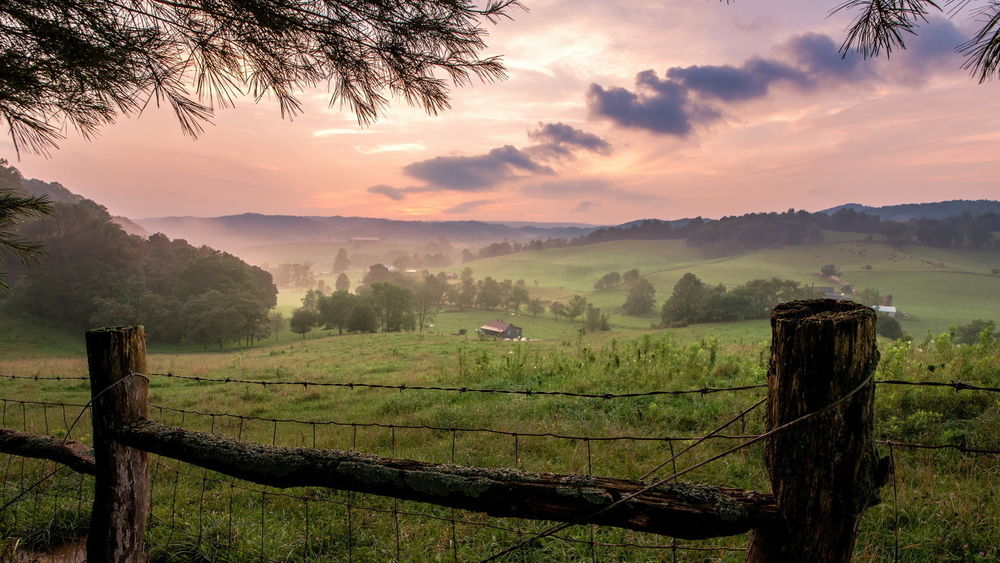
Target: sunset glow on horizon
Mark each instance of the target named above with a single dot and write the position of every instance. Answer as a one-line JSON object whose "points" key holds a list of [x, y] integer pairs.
{"points": [[612, 112]]}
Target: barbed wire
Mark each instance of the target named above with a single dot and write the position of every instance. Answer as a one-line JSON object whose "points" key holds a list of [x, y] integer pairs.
{"points": [[963, 449], [43, 403], [404, 387], [956, 385], [510, 433], [47, 377], [705, 390]]}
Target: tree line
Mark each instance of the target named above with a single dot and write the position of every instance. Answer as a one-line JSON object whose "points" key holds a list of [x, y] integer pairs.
{"points": [[694, 301], [735, 234]]}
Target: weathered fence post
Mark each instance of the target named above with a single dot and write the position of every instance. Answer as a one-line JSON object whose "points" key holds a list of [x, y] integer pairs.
{"points": [[823, 469], [121, 491]]}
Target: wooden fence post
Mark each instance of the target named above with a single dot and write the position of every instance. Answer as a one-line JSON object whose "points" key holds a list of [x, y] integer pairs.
{"points": [[823, 469], [121, 491]]}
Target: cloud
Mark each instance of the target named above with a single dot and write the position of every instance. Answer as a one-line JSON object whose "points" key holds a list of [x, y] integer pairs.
{"points": [[398, 194], [819, 57], [398, 147], [734, 84], [468, 206], [476, 173], [487, 171], [687, 97], [660, 106], [563, 139], [573, 189], [583, 207]]}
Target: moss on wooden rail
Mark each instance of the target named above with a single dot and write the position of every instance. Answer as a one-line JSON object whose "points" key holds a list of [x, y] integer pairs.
{"points": [[686, 511], [78, 456]]}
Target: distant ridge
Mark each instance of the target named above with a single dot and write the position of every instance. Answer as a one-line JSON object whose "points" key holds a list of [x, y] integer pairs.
{"points": [[936, 210], [234, 231]]}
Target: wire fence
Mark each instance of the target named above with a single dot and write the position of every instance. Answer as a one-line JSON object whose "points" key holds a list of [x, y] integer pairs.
{"points": [[198, 513]]}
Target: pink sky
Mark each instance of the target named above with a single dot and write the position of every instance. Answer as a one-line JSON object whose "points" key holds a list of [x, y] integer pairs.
{"points": [[757, 114]]}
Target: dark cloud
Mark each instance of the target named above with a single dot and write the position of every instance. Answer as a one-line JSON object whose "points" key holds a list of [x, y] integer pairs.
{"points": [[935, 47], [486, 171], [583, 207], [563, 139], [662, 106], [820, 58], [468, 206], [732, 84], [476, 173], [687, 97]]}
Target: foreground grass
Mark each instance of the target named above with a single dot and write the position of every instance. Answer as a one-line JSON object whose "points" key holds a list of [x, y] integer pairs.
{"points": [[945, 508]]}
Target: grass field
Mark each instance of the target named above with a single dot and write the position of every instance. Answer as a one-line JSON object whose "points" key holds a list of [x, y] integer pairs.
{"points": [[946, 505]]}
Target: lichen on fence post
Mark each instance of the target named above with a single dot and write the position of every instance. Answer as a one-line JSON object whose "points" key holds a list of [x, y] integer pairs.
{"points": [[823, 469], [116, 356]]}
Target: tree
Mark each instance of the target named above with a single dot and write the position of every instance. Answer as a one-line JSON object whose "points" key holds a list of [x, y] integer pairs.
{"points": [[393, 306], [889, 327], [594, 319], [277, 321], [364, 318], [977, 330], [335, 310], [829, 270], [84, 62], [686, 300], [631, 276], [303, 321], [535, 307], [343, 283], [341, 263], [576, 306], [608, 281], [557, 308], [641, 298]]}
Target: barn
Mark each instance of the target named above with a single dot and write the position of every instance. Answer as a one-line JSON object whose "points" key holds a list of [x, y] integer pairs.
{"points": [[499, 329]]}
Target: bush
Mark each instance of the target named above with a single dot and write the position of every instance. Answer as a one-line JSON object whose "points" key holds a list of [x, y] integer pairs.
{"points": [[889, 327]]}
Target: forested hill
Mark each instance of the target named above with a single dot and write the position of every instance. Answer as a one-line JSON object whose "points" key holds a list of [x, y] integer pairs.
{"points": [[936, 210], [735, 234], [236, 231], [95, 274]]}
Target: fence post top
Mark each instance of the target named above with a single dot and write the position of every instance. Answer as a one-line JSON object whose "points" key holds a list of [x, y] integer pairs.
{"points": [[106, 329], [821, 310]]}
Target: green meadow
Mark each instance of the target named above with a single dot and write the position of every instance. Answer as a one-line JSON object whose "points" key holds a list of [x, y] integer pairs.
{"points": [[943, 506]]}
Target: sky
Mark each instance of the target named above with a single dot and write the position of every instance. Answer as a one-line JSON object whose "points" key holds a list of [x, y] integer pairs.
{"points": [[613, 111]]}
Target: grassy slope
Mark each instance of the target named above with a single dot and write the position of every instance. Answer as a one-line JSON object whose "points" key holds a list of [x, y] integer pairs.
{"points": [[939, 288]]}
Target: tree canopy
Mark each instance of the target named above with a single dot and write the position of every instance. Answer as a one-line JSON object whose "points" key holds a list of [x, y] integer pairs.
{"points": [[85, 62]]}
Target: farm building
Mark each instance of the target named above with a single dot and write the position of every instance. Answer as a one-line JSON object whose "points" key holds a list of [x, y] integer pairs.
{"points": [[885, 310], [499, 329]]}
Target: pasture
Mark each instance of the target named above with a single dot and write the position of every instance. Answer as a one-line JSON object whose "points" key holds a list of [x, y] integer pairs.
{"points": [[944, 507]]}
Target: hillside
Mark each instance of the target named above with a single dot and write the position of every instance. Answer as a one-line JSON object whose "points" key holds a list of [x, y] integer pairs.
{"points": [[938, 288]]}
